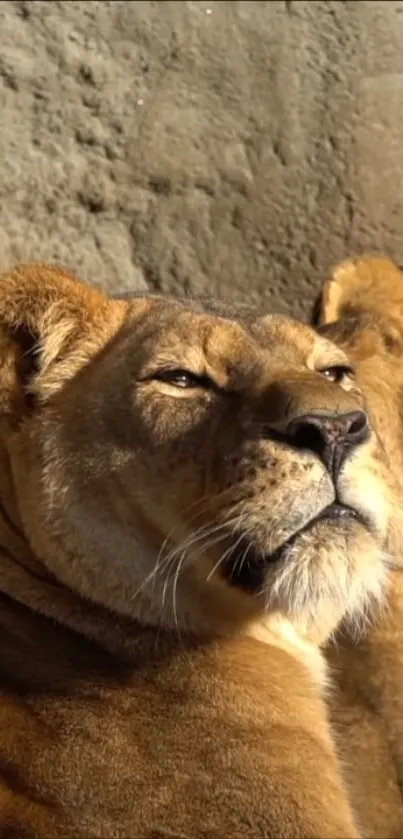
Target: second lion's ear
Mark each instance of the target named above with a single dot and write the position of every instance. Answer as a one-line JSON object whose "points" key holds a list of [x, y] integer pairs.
{"points": [[50, 326], [369, 283]]}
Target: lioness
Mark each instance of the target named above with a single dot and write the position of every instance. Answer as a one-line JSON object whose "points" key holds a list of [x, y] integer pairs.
{"points": [[362, 305], [191, 502]]}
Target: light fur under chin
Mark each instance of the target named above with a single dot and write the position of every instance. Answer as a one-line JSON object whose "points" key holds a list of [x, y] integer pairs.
{"points": [[279, 632], [320, 601]]}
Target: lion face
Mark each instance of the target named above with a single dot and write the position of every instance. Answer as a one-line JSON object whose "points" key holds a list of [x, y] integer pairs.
{"points": [[201, 471]]}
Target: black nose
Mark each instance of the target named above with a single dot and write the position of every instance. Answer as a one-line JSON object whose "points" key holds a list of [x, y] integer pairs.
{"points": [[330, 437]]}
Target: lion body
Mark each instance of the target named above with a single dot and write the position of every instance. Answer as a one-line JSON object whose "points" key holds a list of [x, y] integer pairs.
{"points": [[176, 705], [164, 742]]}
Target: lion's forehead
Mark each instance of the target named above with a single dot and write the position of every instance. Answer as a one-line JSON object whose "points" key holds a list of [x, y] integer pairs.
{"points": [[180, 335]]}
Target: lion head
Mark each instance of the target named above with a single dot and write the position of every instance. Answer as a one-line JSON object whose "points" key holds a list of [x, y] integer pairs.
{"points": [[186, 465]]}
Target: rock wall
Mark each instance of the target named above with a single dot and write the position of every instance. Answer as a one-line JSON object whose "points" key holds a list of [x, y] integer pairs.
{"points": [[234, 147]]}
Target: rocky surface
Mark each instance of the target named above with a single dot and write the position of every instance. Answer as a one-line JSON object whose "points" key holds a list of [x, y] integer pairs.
{"points": [[238, 147]]}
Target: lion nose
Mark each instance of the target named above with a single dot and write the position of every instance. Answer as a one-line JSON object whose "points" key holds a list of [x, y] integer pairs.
{"points": [[330, 437]]}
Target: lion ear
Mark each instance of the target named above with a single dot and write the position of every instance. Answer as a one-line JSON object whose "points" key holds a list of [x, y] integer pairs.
{"points": [[369, 283], [50, 325]]}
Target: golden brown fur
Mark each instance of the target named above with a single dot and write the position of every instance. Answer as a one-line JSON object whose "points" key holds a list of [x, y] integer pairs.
{"points": [[164, 581], [363, 305]]}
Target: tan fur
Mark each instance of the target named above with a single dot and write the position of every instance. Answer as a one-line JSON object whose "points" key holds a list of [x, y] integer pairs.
{"points": [[143, 694], [363, 305]]}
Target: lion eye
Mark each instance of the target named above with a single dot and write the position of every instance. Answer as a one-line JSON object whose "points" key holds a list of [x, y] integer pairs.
{"points": [[338, 372], [183, 379]]}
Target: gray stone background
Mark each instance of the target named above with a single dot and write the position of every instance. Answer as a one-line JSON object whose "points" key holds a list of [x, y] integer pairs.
{"points": [[234, 147]]}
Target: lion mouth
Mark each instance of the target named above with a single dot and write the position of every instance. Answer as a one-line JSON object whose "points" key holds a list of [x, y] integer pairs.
{"points": [[245, 566]]}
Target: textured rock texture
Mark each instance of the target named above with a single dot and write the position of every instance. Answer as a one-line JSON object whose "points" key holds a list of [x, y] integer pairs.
{"points": [[238, 147]]}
